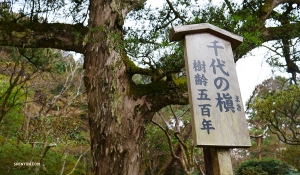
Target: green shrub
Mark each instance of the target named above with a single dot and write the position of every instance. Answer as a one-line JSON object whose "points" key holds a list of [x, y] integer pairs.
{"points": [[291, 155], [266, 167]]}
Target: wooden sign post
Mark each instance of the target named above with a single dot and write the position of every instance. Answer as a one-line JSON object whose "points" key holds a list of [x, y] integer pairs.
{"points": [[218, 120]]}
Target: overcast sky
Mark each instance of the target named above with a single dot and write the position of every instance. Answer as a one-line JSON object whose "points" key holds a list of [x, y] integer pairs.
{"points": [[251, 71]]}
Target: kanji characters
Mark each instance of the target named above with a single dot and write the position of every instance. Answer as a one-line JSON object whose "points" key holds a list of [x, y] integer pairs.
{"points": [[199, 80], [219, 83], [207, 126], [222, 100], [219, 65], [225, 101], [238, 106], [215, 47], [237, 99], [198, 66], [202, 95], [205, 111]]}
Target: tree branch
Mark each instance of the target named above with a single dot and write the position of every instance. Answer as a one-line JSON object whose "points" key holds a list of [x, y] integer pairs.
{"points": [[182, 164], [289, 31], [269, 6], [42, 35], [161, 94], [78, 161], [231, 11], [176, 13]]}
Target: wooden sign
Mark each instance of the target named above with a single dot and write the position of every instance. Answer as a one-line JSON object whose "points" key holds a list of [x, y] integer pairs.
{"points": [[214, 93]]}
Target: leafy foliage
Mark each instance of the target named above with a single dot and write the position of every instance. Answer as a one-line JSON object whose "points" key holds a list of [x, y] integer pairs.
{"points": [[169, 148], [291, 155], [12, 154], [42, 122], [265, 167], [44, 11], [155, 150], [277, 105], [147, 39]]}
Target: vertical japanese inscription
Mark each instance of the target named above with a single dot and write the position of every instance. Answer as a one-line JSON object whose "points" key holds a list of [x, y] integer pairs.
{"points": [[214, 90], [218, 117], [222, 101]]}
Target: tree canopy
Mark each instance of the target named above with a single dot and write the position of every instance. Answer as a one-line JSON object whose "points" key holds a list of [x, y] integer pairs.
{"points": [[275, 103]]}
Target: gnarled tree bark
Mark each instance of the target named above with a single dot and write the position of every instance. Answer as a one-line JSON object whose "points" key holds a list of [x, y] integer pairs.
{"points": [[118, 109]]}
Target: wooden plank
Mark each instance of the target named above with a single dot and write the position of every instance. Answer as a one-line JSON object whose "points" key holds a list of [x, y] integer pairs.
{"points": [[214, 93], [221, 161], [208, 161], [218, 116]]}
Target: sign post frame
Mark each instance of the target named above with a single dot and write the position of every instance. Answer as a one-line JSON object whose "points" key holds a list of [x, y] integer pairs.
{"points": [[209, 47]]}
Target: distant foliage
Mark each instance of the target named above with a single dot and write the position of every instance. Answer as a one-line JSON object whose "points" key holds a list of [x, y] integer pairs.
{"points": [[292, 156], [42, 102], [275, 104], [266, 167], [11, 154]]}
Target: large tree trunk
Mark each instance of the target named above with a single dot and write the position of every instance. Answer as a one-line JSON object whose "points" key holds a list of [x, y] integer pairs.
{"points": [[116, 118]]}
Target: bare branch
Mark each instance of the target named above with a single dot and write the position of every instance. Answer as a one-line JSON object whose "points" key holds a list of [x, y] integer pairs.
{"points": [[176, 13], [78, 161]]}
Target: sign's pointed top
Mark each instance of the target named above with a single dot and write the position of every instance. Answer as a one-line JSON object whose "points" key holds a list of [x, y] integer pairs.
{"points": [[178, 33]]}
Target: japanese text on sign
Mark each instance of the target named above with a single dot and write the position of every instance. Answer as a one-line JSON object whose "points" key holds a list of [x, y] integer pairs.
{"points": [[222, 100]]}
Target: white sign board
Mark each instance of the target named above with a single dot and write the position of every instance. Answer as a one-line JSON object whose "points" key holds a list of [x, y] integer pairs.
{"points": [[215, 99]]}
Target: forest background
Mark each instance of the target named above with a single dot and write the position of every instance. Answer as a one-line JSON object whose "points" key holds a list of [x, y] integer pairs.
{"points": [[52, 115]]}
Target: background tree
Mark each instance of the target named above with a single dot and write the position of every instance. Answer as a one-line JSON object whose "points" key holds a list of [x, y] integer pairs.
{"points": [[269, 141], [177, 130], [264, 142], [45, 122], [118, 108], [14, 77], [276, 107], [291, 155]]}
